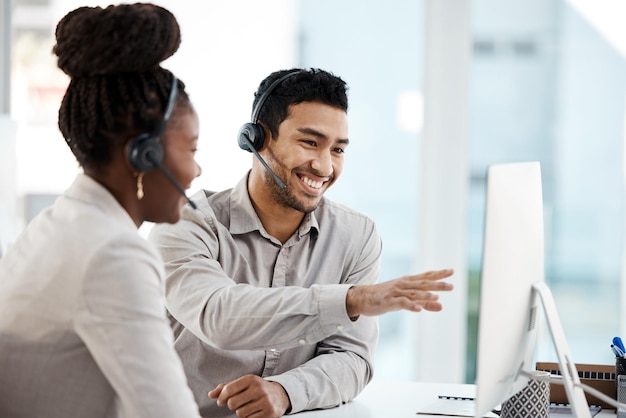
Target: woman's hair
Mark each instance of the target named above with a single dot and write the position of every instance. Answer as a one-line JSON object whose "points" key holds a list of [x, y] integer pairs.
{"points": [[305, 85], [117, 89]]}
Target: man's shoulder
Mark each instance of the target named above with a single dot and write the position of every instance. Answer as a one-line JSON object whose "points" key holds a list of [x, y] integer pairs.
{"points": [[346, 227], [208, 202], [192, 220], [335, 212], [206, 197]]}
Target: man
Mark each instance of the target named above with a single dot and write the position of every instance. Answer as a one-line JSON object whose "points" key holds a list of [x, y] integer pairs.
{"points": [[270, 285]]}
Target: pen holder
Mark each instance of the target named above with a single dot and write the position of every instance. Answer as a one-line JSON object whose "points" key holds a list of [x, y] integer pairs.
{"points": [[621, 393], [620, 381], [620, 367], [532, 401]]}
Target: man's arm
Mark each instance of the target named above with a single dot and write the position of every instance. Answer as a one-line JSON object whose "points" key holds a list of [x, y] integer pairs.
{"points": [[341, 368], [197, 289]]}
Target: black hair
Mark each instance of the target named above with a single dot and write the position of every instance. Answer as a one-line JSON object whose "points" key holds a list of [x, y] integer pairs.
{"points": [[117, 89], [305, 85]]}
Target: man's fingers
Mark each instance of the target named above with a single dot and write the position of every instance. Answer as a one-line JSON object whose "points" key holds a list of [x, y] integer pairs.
{"points": [[233, 401], [432, 306], [419, 288], [226, 393], [437, 274], [416, 293], [216, 392], [430, 281]]}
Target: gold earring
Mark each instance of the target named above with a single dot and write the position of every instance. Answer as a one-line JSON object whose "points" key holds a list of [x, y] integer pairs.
{"points": [[140, 186]]}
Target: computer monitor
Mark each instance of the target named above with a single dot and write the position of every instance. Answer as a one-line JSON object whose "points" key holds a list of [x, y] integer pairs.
{"points": [[513, 291]]}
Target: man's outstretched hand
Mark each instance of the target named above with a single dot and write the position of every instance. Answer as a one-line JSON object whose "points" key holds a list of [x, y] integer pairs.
{"points": [[412, 293]]}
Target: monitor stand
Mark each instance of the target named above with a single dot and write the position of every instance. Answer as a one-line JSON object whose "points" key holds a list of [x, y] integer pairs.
{"points": [[571, 381]]}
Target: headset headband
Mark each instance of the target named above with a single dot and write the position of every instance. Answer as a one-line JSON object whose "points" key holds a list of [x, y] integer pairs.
{"points": [[266, 95], [169, 108]]}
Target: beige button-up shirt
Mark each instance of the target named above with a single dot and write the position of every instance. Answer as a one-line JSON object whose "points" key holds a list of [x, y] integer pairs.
{"points": [[244, 303]]}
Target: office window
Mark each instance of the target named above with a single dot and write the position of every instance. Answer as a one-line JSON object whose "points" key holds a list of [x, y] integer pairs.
{"points": [[548, 82], [378, 51], [44, 165]]}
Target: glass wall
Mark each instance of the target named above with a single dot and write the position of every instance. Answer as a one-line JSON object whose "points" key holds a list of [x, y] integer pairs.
{"points": [[547, 84], [378, 51]]}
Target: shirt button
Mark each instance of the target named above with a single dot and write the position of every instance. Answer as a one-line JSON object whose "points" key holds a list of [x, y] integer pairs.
{"points": [[339, 327], [273, 350], [302, 341]]}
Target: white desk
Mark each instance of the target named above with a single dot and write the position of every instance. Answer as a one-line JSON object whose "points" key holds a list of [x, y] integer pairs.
{"points": [[381, 399]]}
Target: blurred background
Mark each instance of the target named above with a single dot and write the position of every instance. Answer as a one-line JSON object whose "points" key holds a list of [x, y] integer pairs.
{"points": [[439, 90]]}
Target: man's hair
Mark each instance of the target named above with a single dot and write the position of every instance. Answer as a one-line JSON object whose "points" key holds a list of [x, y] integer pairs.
{"points": [[117, 89], [305, 85]]}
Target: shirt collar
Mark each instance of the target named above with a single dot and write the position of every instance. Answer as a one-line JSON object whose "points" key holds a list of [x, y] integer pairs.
{"points": [[244, 218], [86, 189]]}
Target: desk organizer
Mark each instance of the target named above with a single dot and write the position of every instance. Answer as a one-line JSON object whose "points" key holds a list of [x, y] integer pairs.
{"points": [[532, 401], [621, 393], [599, 377]]}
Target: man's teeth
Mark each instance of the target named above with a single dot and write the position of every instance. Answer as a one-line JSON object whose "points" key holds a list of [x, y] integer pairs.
{"points": [[311, 183]]}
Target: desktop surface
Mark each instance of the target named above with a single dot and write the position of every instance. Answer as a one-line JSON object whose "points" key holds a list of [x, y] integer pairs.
{"points": [[391, 399]]}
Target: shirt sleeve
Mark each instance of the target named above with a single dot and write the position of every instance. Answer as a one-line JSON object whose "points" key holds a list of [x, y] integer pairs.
{"points": [[336, 375], [124, 325], [234, 316]]}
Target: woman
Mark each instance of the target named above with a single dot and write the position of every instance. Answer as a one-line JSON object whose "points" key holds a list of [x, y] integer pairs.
{"points": [[83, 330]]}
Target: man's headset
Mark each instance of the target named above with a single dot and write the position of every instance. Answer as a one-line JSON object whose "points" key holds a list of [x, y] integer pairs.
{"points": [[145, 152], [251, 135]]}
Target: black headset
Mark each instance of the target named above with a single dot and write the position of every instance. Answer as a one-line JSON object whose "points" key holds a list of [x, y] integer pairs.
{"points": [[252, 133], [145, 152]]}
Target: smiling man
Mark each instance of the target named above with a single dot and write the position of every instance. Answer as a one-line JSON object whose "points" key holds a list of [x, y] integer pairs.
{"points": [[271, 286]]}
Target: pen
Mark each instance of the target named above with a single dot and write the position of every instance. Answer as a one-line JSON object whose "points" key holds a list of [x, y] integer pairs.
{"points": [[614, 350], [618, 342]]}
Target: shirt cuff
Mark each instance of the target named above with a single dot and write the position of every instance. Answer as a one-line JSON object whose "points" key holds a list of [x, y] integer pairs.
{"points": [[332, 307], [293, 387]]}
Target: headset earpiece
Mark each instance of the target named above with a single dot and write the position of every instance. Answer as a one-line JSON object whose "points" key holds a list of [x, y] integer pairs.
{"points": [[145, 152], [251, 134]]}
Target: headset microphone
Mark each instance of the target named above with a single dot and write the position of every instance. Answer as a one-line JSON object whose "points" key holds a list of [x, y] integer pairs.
{"points": [[169, 176], [245, 143], [251, 135]]}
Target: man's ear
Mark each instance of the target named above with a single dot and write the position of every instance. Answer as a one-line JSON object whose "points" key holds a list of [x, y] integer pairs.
{"points": [[267, 135]]}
